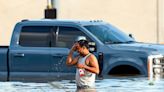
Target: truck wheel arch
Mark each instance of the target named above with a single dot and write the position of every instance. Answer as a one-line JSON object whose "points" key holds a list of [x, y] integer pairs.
{"points": [[141, 70]]}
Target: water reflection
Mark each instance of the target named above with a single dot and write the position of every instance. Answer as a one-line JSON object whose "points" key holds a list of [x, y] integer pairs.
{"points": [[130, 85], [123, 84]]}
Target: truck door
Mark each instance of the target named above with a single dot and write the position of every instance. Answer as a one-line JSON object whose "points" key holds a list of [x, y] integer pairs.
{"points": [[30, 60], [64, 39]]}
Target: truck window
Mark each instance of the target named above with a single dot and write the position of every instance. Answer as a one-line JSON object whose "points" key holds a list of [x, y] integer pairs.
{"points": [[67, 35], [35, 36], [108, 34]]}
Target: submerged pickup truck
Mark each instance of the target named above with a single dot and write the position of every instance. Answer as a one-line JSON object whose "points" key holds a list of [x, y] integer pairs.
{"points": [[39, 48]]}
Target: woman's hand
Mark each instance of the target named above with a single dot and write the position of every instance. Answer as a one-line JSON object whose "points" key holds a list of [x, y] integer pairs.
{"points": [[74, 47]]}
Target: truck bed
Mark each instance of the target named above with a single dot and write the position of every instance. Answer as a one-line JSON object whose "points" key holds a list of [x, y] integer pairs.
{"points": [[3, 63], [3, 54]]}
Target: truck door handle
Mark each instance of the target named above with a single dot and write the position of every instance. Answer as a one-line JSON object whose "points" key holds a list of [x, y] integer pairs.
{"points": [[19, 55], [57, 55]]}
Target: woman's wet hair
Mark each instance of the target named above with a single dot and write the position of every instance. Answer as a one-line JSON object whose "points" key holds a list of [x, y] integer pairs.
{"points": [[83, 43]]}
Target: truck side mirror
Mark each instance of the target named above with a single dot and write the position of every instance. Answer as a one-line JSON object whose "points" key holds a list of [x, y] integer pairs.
{"points": [[131, 36], [92, 46]]}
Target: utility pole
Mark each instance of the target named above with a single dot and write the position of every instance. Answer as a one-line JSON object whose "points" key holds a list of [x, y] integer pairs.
{"points": [[157, 14], [50, 11]]}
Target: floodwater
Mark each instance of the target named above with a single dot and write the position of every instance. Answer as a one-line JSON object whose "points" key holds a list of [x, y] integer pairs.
{"points": [[124, 84]]}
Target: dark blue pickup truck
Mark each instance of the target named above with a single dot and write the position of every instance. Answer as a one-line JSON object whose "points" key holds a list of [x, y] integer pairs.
{"points": [[39, 48]]}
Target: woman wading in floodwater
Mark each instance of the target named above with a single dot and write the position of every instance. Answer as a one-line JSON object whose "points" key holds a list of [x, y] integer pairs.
{"points": [[87, 66]]}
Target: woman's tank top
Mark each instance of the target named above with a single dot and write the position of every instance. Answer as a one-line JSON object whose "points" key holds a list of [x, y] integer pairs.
{"points": [[86, 78]]}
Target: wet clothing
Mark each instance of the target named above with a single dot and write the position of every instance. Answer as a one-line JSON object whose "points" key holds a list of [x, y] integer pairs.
{"points": [[87, 80], [85, 90]]}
